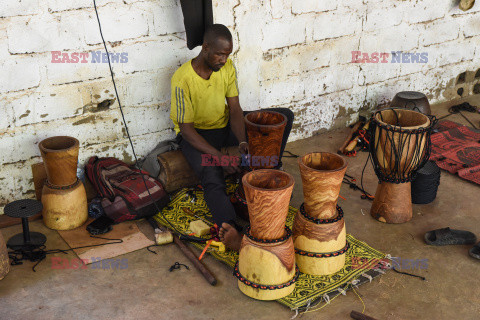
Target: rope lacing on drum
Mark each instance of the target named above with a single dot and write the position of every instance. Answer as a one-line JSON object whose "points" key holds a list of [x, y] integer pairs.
{"points": [[399, 162]]}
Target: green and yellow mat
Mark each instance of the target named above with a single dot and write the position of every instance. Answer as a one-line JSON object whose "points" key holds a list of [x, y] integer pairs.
{"points": [[309, 290]]}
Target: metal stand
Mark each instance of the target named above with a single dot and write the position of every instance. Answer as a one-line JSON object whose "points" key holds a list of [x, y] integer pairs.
{"points": [[24, 209]]}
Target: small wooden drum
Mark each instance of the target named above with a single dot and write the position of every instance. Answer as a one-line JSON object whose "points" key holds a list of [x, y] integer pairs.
{"points": [[265, 134], [400, 145], [175, 172]]}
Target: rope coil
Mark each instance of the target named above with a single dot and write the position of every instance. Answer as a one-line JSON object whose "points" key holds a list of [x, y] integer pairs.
{"points": [[425, 185], [249, 283], [323, 255], [322, 221], [282, 239], [52, 186]]}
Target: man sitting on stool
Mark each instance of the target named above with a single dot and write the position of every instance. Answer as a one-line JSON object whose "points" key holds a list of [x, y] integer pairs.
{"points": [[204, 124]]}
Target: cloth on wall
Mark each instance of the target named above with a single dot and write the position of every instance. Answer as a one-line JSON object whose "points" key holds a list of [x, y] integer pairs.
{"points": [[197, 15]]}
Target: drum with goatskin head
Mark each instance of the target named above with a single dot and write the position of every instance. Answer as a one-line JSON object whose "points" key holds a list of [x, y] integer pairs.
{"points": [[400, 145]]}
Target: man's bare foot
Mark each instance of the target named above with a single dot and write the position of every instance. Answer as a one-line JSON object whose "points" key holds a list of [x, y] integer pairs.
{"points": [[230, 236]]}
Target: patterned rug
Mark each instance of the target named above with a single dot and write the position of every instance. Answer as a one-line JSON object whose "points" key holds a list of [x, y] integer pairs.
{"points": [[309, 290], [456, 148]]}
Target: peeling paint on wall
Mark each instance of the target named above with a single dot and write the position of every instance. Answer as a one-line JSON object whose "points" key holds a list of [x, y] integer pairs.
{"points": [[89, 119], [24, 115]]}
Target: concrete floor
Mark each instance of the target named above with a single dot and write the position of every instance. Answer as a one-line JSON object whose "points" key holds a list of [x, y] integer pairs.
{"points": [[147, 290]]}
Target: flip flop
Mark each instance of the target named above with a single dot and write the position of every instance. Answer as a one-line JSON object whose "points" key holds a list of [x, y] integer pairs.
{"points": [[475, 251], [447, 236]]}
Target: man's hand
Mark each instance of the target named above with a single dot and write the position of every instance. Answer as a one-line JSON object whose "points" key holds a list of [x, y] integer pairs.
{"points": [[243, 147], [232, 167]]}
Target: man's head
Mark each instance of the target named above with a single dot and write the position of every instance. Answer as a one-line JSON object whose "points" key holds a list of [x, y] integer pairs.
{"points": [[217, 46]]}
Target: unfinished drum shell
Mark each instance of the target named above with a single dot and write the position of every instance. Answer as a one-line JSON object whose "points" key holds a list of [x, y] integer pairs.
{"points": [[265, 134], [60, 157], [266, 271], [319, 233], [64, 208], [266, 266]]}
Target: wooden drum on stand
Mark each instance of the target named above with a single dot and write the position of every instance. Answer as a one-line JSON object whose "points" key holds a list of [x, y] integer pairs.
{"points": [[63, 196], [319, 228], [266, 265]]}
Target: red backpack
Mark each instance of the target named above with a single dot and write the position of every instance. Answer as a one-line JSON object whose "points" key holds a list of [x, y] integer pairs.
{"points": [[123, 189]]}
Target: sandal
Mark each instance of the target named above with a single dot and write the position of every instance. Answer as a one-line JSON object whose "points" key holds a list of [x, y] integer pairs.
{"points": [[447, 236], [475, 251]]}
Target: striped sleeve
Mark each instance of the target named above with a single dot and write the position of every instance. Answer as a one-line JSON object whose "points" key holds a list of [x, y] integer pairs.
{"points": [[181, 110], [232, 86]]}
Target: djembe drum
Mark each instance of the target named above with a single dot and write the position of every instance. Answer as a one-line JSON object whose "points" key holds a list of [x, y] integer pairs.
{"points": [[265, 134], [319, 232], [400, 145], [63, 196], [266, 263]]}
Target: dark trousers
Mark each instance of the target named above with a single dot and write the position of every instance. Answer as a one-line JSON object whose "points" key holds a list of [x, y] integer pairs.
{"points": [[211, 177]]}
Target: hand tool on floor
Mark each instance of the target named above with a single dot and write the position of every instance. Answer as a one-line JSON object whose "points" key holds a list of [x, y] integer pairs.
{"points": [[218, 244], [354, 129], [191, 213], [360, 316], [349, 148], [358, 129], [188, 253], [212, 243]]}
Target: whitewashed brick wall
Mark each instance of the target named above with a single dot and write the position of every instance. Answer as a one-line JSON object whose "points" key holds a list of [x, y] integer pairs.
{"points": [[295, 54]]}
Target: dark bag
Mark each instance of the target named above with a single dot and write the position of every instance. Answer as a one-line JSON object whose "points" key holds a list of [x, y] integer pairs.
{"points": [[123, 191]]}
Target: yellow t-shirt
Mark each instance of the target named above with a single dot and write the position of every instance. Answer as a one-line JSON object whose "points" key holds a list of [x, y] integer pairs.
{"points": [[201, 101]]}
